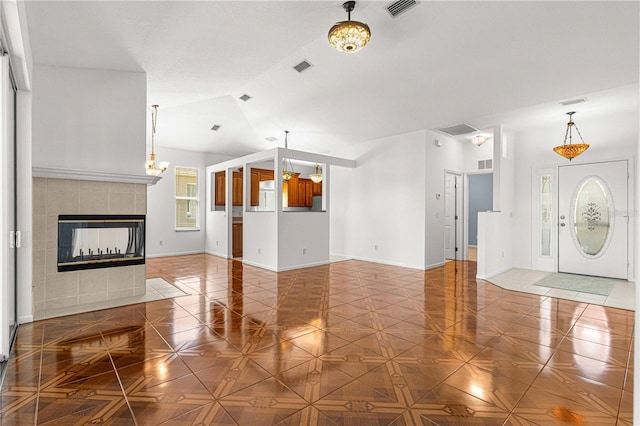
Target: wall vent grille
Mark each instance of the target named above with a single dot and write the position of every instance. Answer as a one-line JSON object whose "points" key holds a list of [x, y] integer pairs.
{"points": [[215, 127], [245, 97], [271, 139], [573, 101], [458, 129], [304, 65], [398, 7]]}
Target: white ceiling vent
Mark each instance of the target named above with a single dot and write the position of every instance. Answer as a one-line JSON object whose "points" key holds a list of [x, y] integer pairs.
{"points": [[215, 127], [458, 129], [573, 101], [303, 66], [271, 139], [398, 7], [245, 97]]}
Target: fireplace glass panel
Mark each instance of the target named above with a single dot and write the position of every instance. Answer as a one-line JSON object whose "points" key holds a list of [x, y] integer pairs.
{"points": [[100, 241]]}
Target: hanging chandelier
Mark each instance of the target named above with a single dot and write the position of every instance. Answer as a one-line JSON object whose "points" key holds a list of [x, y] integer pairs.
{"points": [[349, 36], [317, 176], [571, 150], [478, 140], [287, 167], [153, 168]]}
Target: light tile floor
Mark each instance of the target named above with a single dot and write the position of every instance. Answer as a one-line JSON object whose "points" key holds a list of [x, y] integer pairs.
{"points": [[157, 289], [622, 295]]}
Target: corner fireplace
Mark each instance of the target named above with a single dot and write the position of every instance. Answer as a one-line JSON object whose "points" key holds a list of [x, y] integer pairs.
{"points": [[100, 241]]}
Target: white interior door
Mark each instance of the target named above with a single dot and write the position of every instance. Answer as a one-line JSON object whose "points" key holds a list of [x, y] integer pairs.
{"points": [[593, 219], [452, 224]]}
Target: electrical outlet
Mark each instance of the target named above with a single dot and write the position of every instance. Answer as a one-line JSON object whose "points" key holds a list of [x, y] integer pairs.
{"points": [[259, 251], [160, 243], [304, 251], [375, 248], [217, 243]]}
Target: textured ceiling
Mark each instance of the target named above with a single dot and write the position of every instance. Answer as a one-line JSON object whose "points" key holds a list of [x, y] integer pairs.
{"points": [[440, 63]]}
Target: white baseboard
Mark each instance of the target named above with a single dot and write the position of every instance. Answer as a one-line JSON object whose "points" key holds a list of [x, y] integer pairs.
{"points": [[307, 265], [434, 265], [386, 262], [493, 274], [220, 255], [25, 319], [259, 265], [184, 253]]}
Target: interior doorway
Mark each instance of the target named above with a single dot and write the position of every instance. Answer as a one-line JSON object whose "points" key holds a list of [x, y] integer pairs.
{"points": [[452, 216], [8, 212], [479, 199]]}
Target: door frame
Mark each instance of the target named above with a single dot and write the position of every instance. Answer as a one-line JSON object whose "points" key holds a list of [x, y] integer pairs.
{"points": [[466, 214], [459, 210], [551, 264]]}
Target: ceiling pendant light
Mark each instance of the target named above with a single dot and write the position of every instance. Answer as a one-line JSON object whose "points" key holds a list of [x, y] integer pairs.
{"points": [[349, 36], [153, 168], [571, 150], [317, 176], [287, 167], [478, 140]]}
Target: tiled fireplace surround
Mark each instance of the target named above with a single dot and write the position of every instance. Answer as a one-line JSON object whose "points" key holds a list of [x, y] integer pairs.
{"points": [[55, 291]]}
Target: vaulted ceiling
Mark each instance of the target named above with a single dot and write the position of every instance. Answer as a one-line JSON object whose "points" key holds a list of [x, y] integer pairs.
{"points": [[438, 64]]}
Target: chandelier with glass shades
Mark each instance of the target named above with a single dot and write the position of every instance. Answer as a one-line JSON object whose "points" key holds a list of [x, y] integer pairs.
{"points": [[349, 36], [571, 150], [317, 176], [153, 168], [287, 167]]}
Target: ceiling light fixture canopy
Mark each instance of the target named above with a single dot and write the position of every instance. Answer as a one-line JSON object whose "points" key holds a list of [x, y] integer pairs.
{"points": [[571, 150], [317, 176], [349, 36], [287, 167], [478, 140], [153, 168]]}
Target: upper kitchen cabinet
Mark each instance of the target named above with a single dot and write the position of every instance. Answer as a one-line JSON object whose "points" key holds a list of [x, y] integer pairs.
{"points": [[237, 188], [218, 187], [261, 187], [301, 193]]}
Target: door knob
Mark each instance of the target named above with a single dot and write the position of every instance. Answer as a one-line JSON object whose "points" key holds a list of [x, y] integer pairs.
{"points": [[562, 224], [562, 217]]}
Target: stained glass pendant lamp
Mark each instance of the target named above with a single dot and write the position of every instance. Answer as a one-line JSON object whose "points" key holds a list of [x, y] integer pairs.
{"points": [[571, 150], [349, 36]]}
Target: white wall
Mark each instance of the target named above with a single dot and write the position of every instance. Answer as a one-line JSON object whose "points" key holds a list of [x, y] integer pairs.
{"points": [[307, 239], [88, 119], [472, 154], [161, 207], [381, 202], [610, 138]]}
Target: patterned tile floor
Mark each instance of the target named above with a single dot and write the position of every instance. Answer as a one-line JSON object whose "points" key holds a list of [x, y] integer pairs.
{"points": [[350, 343]]}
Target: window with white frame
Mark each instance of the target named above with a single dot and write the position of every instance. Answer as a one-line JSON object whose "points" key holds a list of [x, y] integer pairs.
{"points": [[186, 198]]}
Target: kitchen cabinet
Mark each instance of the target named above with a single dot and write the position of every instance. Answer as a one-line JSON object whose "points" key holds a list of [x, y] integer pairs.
{"points": [[237, 189], [220, 185], [316, 189], [237, 240], [299, 192], [255, 187]]}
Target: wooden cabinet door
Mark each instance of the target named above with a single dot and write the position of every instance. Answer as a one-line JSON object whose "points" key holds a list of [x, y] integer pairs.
{"points": [[237, 240], [308, 193], [266, 174], [220, 185], [294, 192], [255, 187], [317, 188], [237, 189]]}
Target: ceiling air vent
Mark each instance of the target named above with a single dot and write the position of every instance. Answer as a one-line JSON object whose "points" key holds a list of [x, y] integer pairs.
{"points": [[271, 139], [245, 97], [302, 66], [573, 101], [215, 127], [458, 129], [400, 6]]}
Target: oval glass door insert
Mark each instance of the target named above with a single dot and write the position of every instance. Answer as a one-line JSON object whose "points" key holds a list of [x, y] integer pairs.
{"points": [[592, 216]]}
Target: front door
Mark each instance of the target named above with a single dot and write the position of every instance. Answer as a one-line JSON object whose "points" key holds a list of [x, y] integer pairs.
{"points": [[593, 219]]}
